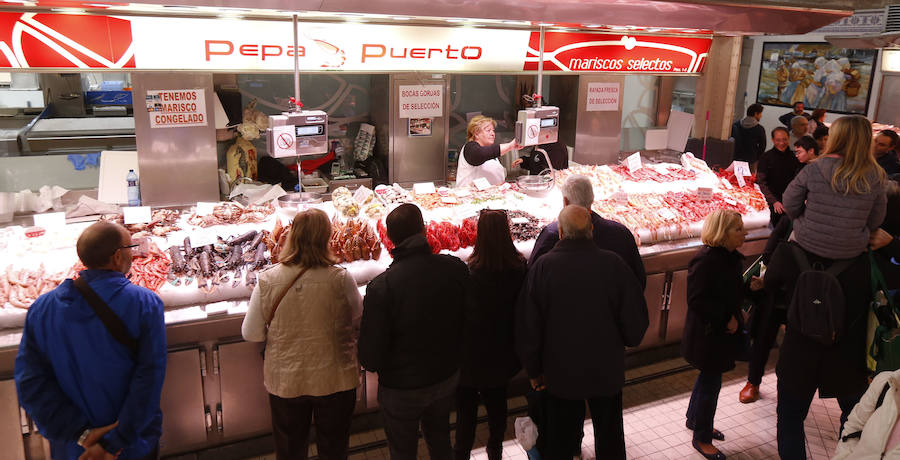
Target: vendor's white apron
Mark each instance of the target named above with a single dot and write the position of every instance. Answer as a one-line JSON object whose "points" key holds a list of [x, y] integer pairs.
{"points": [[491, 170]]}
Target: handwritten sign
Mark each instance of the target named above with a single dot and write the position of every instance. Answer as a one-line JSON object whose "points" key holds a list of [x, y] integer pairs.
{"points": [[136, 214], [740, 179], [741, 168], [666, 214], [50, 220], [621, 197], [449, 199], [421, 101], [704, 193], [202, 238], [176, 108], [423, 188], [205, 208], [481, 183], [602, 97], [519, 220], [726, 183], [633, 161]]}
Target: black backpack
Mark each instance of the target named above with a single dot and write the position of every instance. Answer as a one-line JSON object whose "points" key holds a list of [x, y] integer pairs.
{"points": [[817, 309]]}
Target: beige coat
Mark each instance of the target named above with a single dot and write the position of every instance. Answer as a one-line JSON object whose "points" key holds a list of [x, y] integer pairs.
{"points": [[311, 341], [876, 425]]}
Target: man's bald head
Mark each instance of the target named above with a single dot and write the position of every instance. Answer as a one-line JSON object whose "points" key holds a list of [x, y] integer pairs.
{"points": [[575, 223], [98, 244]]}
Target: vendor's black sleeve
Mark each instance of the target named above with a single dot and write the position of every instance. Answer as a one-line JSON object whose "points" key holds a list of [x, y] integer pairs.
{"points": [[476, 155]]}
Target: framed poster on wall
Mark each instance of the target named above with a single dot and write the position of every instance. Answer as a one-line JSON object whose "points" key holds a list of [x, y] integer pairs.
{"points": [[817, 74]]}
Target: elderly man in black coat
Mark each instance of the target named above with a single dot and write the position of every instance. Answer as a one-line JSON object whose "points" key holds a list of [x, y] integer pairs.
{"points": [[580, 307]]}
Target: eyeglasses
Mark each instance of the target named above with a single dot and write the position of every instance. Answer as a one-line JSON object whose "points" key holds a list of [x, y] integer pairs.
{"points": [[130, 246]]}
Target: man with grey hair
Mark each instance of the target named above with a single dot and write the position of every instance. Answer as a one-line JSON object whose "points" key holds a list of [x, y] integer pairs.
{"points": [[580, 307], [799, 128], [607, 234]]}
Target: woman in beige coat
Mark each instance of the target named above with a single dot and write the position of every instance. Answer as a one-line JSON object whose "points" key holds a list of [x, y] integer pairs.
{"points": [[307, 310]]}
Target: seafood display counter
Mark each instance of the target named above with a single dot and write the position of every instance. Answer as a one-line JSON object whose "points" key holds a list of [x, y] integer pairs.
{"points": [[203, 264]]}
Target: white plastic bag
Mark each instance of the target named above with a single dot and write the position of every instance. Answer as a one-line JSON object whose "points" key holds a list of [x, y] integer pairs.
{"points": [[526, 432]]}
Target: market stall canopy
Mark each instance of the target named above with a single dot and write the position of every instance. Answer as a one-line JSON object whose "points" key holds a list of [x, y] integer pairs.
{"points": [[723, 16], [888, 37]]}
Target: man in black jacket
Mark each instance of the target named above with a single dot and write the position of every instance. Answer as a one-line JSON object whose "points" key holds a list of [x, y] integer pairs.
{"points": [[580, 307], [776, 169], [749, 136], [411, 335], [797, 112]]}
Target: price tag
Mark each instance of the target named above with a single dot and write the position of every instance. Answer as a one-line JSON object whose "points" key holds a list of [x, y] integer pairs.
{"points": [[481, 184], [462, 192], [633, 161], [504, 186], [741, 168], [730, 201], [50, 220], [205, 208], [740, 180], [449, 199], [519, 220], [654, 202], [726, 183], [202, 238], [666, 214], [704, 193], [424, 188], [621, 197], [136, 214]]}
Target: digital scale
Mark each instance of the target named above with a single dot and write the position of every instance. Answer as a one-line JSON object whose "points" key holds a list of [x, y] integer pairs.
{"points": [[537, 126], [297, 133]]}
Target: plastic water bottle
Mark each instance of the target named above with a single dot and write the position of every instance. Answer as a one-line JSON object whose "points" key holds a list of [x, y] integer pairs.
{"points": [[134, 192]]}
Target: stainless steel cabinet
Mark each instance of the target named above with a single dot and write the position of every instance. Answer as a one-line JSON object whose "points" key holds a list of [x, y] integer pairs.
{"points": [[655, 295], [244, 407], [184, 423], [677, 307]]}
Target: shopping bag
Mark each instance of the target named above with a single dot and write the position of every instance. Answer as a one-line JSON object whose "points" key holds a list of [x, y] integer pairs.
{"points": [[884, 324]]}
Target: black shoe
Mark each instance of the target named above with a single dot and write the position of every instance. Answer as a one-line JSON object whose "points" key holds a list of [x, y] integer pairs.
{"points": [[715, 456], [716, 434]]}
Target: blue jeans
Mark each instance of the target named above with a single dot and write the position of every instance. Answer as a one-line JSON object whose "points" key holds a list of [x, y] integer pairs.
{"points": [[792, 410], [702, 408]]}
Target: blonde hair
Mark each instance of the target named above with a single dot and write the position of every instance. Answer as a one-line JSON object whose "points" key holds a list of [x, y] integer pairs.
{"points": [[717, 224], [476, 124], [307, 242], [850, 138]]}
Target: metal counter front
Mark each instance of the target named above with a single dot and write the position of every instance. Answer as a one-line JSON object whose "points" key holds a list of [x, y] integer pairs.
{"points": [[214, 394]]}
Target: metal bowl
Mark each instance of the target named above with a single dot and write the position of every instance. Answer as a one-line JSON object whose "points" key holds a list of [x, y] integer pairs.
{"points": [[299, 199], [530, 183]]}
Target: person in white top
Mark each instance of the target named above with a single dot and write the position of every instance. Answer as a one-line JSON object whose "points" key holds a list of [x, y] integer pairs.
{"points": [[479, 156], [872, 431]]}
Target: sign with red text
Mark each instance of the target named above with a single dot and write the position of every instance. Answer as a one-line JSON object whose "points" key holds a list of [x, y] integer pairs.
{"points": [[421, 101], [61, 41], [176, 108], [602, 97]]}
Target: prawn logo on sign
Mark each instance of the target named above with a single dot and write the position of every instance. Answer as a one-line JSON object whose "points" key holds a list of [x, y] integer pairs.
{"points": [[65, 41]]}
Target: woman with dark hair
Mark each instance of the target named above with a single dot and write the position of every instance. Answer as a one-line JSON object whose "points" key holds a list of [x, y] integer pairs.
{"points": [[307, 310], [489, 361]]}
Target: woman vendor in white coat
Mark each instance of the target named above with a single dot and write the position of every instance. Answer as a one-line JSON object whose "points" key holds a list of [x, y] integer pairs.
{"points": [[479, 157]]}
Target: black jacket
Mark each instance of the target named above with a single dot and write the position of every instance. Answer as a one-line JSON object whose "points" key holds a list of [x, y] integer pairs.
{"points": [[608, 234], [715, 290], [749, 143], [786, 118], [490, 357], [580, 307], [776, 169], [413, 316]]}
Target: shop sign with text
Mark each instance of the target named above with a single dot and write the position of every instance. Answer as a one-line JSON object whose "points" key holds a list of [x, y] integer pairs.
{"points": [[176, 108], [60, 41]]}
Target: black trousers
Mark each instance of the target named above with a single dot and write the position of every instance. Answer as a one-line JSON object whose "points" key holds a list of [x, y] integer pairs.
{"points": [[467, 399], [293, 417], [702, 408], [404, 410], [565, 425], [763, 340], [792, 410]]}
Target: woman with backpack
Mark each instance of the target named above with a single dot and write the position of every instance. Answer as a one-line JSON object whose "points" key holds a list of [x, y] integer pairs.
{"points": [[715, 290], [489, 359], [834, 203], [307, 309]]}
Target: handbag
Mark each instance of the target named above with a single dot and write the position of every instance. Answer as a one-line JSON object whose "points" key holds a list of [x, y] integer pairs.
{"points": [[277, 303], [884, 351]]}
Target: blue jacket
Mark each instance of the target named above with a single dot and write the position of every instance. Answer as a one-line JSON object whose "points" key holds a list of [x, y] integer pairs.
{"points": [[71, 374]]}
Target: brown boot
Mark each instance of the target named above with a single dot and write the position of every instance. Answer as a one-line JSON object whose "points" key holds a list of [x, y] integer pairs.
{"points": [[750, 393]]}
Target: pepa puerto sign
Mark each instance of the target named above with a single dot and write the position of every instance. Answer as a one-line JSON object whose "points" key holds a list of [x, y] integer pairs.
{"points": [[59, 41]]}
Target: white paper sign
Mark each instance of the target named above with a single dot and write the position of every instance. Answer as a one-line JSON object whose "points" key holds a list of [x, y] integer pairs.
{"points": [[730, 201], [633, 161], [504, 186], [602, 97], [449, 199], [202, 238], [654, 202], [462, 192], [740, 179], [741, 168], [666, 214], [621, 197], [205, 208], [176, 108], [704, 193], [423, 188], [284, 140], [421, 101], [481, 183], [50, 220], [136, 214], [726, 183], [519, 220]]}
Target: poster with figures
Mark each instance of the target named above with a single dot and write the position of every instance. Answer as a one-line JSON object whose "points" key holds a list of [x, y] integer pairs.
{"points": [[817, 74]]}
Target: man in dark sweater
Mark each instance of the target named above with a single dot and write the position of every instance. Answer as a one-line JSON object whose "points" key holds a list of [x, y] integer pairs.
{"points": [[777, 168], [571, 340], [885, 149], [749, 136], [797, 112], [411, 335]]}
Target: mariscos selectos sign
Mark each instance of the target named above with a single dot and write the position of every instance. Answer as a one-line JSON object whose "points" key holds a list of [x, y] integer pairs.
{"points": [[31, 40]]}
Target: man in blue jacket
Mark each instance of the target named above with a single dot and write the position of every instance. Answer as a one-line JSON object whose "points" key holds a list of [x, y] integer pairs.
{"points": [[92, 396]]}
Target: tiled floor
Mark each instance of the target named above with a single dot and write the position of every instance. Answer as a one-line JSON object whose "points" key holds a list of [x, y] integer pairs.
{"points": [[654, 422]]}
